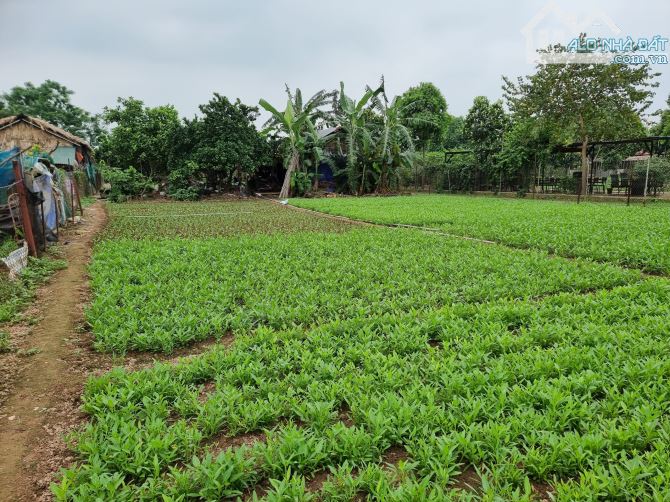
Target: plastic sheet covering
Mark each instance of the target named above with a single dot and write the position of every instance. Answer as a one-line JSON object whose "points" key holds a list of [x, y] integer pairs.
{"points": [[44, 183], [63, 182], [6, 169], [90, 173], [64, 155], [16, 261]]}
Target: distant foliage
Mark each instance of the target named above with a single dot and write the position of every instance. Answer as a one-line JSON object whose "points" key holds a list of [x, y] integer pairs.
{"points": [[425, 109], [49, 101], [663, 126], [141, 137], [221, 149]]}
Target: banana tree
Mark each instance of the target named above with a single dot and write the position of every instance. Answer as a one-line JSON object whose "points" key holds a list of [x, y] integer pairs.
{"points": [[394, 136], [313, 151], [290, 124], [351, 117], [396, 147], [296, 122]]}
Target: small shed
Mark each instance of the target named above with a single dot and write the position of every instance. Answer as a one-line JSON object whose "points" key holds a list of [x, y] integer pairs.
{"points": [[24, 132]]}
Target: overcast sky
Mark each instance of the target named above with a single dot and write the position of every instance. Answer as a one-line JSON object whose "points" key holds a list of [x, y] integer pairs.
{"points": [[181, 52]]}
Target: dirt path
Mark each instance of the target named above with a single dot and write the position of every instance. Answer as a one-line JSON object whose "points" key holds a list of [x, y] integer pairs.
{"points": [[44, 400]]}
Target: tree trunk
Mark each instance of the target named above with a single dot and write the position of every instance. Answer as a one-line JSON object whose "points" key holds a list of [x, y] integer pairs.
{"points": [[361, 189], [315, 186], [286, 186], [585, 166]]}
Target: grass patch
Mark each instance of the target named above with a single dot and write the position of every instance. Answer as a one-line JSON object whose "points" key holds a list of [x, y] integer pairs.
{"points": [[5, 344], [16, 295]]}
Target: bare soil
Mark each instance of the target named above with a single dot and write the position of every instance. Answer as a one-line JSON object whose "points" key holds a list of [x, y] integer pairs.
{"points": [[43, 379]]}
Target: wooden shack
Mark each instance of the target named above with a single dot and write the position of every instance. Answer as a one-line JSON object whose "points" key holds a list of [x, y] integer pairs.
{"points": [[25, 132]]}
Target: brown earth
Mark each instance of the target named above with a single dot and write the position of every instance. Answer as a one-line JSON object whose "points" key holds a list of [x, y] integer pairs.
{"points": [[43, 387]]}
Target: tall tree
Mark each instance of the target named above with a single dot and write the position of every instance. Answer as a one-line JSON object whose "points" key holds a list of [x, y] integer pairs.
{"points": [[453, 136], [394, 140], [587, 102], [49, 101], [228, 148], [483, 129], [526, 146], [291, 125], [296, 124], [426, 107], [141, 137]]}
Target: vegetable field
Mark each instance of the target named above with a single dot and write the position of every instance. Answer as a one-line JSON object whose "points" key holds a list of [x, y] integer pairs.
{"points": [[168, 220], [633, 236], [367, 363]]}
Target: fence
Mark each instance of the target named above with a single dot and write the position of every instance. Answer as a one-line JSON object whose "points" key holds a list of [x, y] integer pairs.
{"points": [[34, 203]]}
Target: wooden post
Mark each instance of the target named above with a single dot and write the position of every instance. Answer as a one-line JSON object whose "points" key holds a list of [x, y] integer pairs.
{"points": [[72, 198], [26, 217], [646, 182], [76, 191]]}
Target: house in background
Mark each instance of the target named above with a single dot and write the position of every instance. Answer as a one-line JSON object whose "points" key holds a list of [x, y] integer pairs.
{"points": [[67, 150], [51, 196]]}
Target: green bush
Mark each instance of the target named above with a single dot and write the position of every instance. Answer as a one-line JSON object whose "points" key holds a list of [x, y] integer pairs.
{"points": [[15, 295], [190, 193], [659, 171], [181, 183], [126, 183], [301, 183]]}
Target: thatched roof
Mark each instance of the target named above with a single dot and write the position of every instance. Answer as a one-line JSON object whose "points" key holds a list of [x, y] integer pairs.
{"points": [[46, 127]]}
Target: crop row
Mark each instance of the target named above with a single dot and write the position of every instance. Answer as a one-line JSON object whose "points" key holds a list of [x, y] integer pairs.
{"points": [[158, 295], [634, 236], [571, 390], [162, 220]]}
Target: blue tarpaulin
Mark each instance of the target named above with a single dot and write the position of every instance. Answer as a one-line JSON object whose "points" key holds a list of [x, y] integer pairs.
{"points": [[6, 169]]}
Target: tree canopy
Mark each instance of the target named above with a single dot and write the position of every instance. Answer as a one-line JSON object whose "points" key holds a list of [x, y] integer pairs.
{"points": [[583, 102], [453, 135], [141, 137], [483, 129], [663, 126], [49, 101], [425, 111], [223, 144]]}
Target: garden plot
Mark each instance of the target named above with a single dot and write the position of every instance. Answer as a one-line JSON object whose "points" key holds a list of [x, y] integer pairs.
{"points": [[367, 363], [513, 398], [158, 295], [633, 236], [168, 220]]}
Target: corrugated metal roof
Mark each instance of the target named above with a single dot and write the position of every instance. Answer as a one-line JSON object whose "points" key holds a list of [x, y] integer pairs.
{"points": [[327, 131]]}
